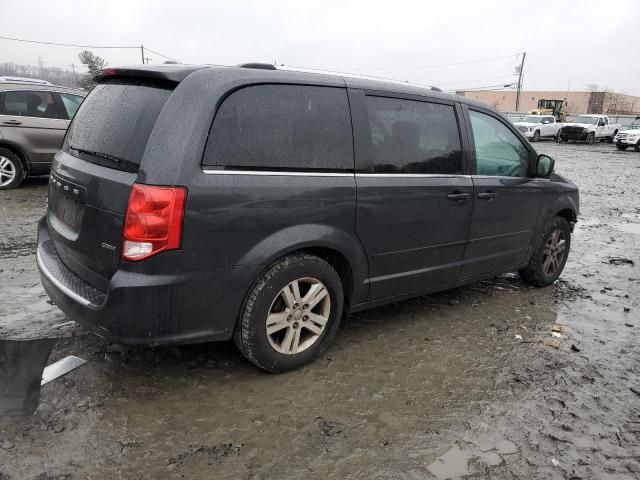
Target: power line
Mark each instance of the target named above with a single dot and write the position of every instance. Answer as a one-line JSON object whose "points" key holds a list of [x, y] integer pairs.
{"points": [[487, 87], [163, 56], [466, 62], [64, 44], [477, 80], [84, 46]]}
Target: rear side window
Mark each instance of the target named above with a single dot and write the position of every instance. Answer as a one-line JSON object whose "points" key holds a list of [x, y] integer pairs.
{"points": [[282, 127], [413, 137], [113, 124], [31, 104]]}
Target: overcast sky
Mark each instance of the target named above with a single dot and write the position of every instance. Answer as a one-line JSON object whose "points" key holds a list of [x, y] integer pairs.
{"points": [[585, 42]]}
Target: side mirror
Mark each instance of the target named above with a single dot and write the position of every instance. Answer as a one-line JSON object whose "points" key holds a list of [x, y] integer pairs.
{"points": [[601, 123], [544, 166]]}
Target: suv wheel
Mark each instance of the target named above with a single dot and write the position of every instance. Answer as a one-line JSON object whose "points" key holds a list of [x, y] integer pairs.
{"points": [[621, 147], [591, 138], [11, 170], [636, 147], [291, 315], [548, 260]]}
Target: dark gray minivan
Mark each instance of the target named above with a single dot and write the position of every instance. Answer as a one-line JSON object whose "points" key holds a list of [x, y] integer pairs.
{"points": [[198, 203]]}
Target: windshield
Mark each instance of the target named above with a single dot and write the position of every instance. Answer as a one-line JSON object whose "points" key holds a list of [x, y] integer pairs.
{"points": [[532, 119], [585, 119], [114, 123]]}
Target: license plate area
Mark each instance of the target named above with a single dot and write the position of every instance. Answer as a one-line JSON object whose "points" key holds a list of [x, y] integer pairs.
{"points": [[66, 203]]}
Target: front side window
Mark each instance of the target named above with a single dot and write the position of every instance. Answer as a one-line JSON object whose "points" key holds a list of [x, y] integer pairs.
{"points": [[410, 136], [30, 104], [71, 104], [282, 127], [498, 151]]}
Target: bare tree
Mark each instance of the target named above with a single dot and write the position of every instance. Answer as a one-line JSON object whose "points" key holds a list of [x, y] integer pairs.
{"points": [[615, 102]]}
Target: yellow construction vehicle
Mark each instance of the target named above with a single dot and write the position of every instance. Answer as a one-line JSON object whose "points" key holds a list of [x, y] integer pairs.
{"points": [[551, 107]]}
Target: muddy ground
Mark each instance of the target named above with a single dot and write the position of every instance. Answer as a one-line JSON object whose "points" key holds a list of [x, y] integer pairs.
{"points": [[436, 387]]}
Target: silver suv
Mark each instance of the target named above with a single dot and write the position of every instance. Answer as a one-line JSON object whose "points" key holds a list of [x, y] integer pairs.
{"points": [[33, 121]]}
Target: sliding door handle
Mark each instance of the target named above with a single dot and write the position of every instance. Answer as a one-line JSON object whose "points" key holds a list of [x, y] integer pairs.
{"points": [[458, 196]]}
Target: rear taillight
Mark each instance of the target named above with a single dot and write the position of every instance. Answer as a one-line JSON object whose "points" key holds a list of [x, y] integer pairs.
{"points": [[153, 222]]}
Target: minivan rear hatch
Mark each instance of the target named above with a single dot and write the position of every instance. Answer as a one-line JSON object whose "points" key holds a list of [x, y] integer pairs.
{"points": [[92, 175]]}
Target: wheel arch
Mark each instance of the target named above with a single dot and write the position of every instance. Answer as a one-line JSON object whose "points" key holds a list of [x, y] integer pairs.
{"points": [[569, 214], [19, 152], [339, 248], [563, 206]]}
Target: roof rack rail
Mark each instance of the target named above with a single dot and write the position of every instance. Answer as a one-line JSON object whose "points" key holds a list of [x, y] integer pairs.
{"points": [[258, 65], [355, 75]]}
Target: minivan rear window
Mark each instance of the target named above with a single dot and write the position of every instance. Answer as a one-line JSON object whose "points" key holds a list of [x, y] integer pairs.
{"points": [[113, 125], [282, 127]]}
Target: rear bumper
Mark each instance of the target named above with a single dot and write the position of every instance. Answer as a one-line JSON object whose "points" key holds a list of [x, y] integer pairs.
{"points": [[147, 309]]}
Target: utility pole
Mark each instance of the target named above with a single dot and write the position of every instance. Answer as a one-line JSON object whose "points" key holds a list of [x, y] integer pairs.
{"points": [[73, 68], [520, 82], [147, 59], [40, 64], [142, 52]]}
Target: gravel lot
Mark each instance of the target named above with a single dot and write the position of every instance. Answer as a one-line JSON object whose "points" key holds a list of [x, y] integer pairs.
{"points": [[436, 387]]}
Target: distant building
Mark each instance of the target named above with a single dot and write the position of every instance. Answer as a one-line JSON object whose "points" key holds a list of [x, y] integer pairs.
{"points": [[576, 102]]}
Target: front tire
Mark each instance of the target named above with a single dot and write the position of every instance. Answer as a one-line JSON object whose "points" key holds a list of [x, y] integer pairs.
{"points": [[636, 147], [622, 147], [291, 314], [549, 258], [11, 170]]}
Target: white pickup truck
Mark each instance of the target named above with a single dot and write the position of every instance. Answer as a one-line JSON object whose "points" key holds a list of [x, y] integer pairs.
{"points": [[535, 127], [589, 128], [629, 136]]}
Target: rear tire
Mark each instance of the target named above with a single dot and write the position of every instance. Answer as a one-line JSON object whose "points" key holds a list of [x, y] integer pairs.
{"points": [[550, 256], [610, 139], [622, 147], [591, 138], [536, 136], [280, 327], [11, 170]]}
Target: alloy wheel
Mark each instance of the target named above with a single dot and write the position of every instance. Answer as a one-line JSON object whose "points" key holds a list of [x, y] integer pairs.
{"points": [[298, 316], [7, 171], [554, 252]]}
